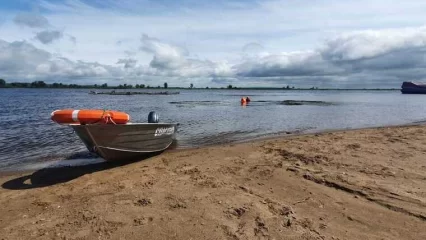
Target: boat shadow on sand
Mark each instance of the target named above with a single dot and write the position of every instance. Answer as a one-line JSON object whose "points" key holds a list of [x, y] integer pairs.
{"points": [[50, 176]]}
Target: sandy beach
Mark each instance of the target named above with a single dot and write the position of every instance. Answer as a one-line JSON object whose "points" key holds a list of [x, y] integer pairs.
{"points": [[358, 184]]}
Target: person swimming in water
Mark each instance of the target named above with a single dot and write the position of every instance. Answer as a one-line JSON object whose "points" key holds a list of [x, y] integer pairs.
{"points": [[245, 100]]}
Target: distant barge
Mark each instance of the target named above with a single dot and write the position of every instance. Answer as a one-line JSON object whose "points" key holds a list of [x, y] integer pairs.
{"points": [[134, 93], [413, 88]]}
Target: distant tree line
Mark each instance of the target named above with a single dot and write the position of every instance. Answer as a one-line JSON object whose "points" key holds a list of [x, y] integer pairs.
{"points": [[35, 84], [42, 84]]}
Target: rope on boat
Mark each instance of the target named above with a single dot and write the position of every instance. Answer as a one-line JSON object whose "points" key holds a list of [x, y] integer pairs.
{"points": [[107, 118]]}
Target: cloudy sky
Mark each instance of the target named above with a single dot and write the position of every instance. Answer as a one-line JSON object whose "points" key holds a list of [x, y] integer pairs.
{"points": [[324, 43]]}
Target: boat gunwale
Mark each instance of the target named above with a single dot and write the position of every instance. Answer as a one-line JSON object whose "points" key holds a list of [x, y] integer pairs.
{"points": [[127, 124]]}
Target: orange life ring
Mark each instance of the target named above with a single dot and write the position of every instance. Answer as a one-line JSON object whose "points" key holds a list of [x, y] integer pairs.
{"points": [[87, 116]]}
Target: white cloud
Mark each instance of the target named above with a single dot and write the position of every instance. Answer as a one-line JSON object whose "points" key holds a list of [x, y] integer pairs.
{"points": [[369, 44], [271, 42], [32, 20], [166, 56], [128, 62], [392, 55], [22, 61], [73, 39], [159, 48], [353, 58], [170, 60], [47, 36], [18, 57], [287, 64]]}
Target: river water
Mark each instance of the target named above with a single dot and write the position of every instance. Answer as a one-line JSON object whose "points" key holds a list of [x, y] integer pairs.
{"points": [[30, 140]]}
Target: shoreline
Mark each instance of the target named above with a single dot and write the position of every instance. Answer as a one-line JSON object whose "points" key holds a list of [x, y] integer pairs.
{"points": [[346, 184], [289, 135], [266, 137]]}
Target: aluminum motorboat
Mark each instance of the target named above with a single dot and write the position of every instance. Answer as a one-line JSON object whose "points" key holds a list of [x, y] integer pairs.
{"points": [[113, 142]]}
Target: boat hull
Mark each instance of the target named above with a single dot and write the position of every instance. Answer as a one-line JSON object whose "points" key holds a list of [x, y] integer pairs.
{"points": [[126, 141], [413, 91], [412, 88]]}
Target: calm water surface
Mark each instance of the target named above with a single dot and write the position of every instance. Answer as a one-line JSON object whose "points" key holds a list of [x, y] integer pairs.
{"points": [[29, 139]]}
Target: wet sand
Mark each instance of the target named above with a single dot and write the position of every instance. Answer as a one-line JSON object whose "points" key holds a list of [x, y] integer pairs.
{"points": [[359, 184]]}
